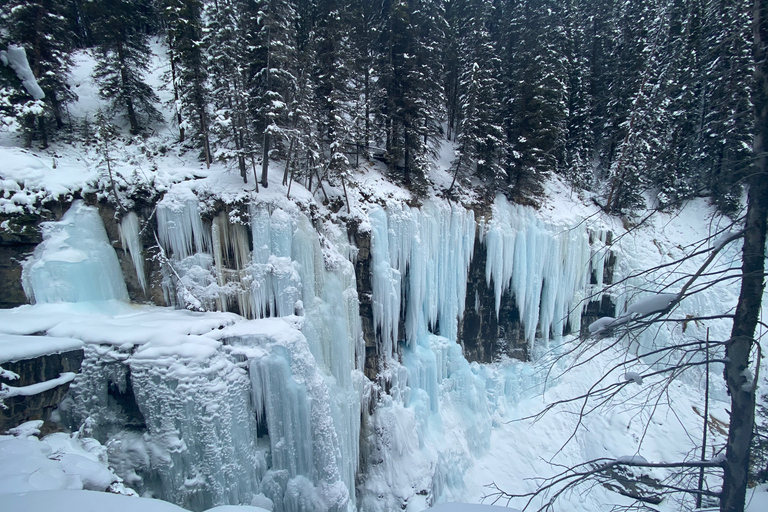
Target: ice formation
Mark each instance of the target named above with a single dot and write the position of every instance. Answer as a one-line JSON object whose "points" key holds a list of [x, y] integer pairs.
{"points": [[75, 262], [205, 409], [203, 416], [545, 267], [16, 58], [131, 240]]}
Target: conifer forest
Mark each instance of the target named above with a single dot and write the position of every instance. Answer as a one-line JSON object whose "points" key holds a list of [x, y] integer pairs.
{"points": [[618, 97]]}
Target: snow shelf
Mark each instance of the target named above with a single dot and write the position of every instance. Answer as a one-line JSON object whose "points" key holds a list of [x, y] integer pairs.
{"points": [[16, 348]]}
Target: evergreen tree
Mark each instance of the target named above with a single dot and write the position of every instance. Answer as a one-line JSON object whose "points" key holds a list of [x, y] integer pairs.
{"points": [[40, 27], [189, 66], [272, 81], [331, 74], [122, 56], [482, 141], [411, 76], [726, 136], [535, 97]]}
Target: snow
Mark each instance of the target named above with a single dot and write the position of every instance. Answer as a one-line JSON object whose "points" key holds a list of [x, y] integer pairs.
{"points": [[16, 58], [634, 377], [83, 501], [15, 348], [35, 389], [28, 179], [57, 462], [653, 304]]}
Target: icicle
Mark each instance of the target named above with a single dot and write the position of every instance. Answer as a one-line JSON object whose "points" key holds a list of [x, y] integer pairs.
{"points": [[545, 267], [131, 242], [181, 230]]}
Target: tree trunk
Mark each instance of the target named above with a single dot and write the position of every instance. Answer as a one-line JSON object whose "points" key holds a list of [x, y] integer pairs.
{"points": [[132, 119], [738, 348], [265, 161]]}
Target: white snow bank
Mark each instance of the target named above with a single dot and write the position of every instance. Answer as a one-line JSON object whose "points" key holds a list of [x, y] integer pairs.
{"points": [[57, 462], [469, 507], [117, 323], [15, 348], [84, 501], [649, 305], [91, 501], [27, 180]]}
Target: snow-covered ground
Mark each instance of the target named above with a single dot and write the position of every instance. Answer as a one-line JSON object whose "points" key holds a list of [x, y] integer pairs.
{"points": [[455, 432]]}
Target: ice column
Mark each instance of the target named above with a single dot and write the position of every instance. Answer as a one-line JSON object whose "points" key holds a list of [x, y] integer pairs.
{"points": [[75, 262], [131, 241], [199, 418]]}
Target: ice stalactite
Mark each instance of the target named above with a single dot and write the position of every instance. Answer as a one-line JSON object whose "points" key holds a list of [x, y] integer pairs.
{"points": [[131, 242], [187, 243], [75, 262], [231, 259], [545, 268], [433, 245]]}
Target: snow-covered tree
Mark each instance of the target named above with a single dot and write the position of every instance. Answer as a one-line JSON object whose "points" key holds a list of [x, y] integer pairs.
{"points": [[123, 56], [41, 28], [189, 70]]}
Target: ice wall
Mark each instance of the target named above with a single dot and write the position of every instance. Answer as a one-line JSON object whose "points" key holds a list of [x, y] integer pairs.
{"points": [[545, 267], [306, 393], [433, 246], [75, 262], [440, 409]]}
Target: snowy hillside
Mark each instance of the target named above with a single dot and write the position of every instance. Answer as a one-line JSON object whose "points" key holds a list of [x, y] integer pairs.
{"points": [[228, 359]]}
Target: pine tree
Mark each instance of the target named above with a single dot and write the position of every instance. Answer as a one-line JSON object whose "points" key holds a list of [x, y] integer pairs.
{"points": [[122, 56], [227, 43], [411, 80], [189, 66], [40, 27], [726, 137], [482, 141], [331, 74], [535, 96], [272, 81]]}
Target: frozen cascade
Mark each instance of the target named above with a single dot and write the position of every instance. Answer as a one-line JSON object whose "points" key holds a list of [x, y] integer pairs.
{"points": [[314, 418], [274, 405], [546, 269], [433, 246], [75, 262], [131, 242], [421, 259], [199, 413], [182, 234]]}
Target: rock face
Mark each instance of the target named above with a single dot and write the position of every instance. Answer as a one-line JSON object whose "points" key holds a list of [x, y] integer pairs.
{"points": [[483, 335], [33, 371], [362, 240], [18, 238]]}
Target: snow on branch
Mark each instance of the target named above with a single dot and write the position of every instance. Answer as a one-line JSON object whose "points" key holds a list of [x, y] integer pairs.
{"points": [[16, 58]]}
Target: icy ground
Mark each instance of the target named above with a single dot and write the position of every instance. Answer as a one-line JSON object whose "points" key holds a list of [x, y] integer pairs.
{"points": [[456, 427]]}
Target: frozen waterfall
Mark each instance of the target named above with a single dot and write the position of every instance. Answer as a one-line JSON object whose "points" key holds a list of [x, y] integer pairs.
{"points": [[259, 394], [75, 262]]}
